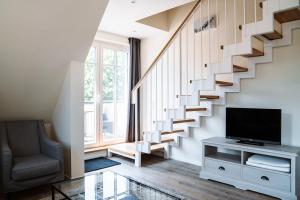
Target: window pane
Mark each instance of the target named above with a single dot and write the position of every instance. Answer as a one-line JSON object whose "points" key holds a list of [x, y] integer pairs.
{"points": [[108, 57], [108, 120], [108, 83], [89, 82], [89, 103], [108, 102], [91, 58], [122, 58], [121, 81], [114, 95], [89, 124]]}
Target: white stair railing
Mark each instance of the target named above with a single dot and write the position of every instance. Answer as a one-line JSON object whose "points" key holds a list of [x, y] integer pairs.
{"points": [[200, 51]]}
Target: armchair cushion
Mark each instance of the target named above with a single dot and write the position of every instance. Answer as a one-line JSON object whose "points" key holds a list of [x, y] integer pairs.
{"points": [[33, 167], [23, 138]]}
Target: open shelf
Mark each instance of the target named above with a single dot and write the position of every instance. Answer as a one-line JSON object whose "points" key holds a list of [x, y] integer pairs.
{"points": [[225, 157], [221, 154]]}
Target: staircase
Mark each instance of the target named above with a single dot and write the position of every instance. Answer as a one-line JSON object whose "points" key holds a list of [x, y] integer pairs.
{"points": [[202, 63]]}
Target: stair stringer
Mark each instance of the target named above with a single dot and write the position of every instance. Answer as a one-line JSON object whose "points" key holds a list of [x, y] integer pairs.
{"points": [[267, 58], [248, 31], [167, 125]]}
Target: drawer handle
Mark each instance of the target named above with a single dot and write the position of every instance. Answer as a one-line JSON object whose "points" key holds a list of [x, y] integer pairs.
{"points": [[222, 168], [264, 178]]}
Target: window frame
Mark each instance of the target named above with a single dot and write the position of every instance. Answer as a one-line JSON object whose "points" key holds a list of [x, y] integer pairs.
{"points": [[100, 45]]}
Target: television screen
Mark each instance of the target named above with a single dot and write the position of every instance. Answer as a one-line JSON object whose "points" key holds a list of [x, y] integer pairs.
{"points": [[254, 125]]}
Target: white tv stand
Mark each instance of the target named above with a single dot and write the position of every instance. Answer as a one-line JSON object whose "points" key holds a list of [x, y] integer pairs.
{"points": [[224, 160]]}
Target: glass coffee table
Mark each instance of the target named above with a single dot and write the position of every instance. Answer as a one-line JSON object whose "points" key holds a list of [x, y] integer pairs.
{"points": [[107, 186]]}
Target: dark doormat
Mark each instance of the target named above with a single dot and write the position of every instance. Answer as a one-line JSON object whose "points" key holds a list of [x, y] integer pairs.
{"points": [[99, 163]]}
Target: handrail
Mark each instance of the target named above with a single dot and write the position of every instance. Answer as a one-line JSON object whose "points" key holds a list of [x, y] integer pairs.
{"points": [[141, 81]]}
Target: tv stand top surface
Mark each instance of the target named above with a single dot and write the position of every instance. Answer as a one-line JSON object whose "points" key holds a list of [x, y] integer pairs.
{"points": [[279, 149]]}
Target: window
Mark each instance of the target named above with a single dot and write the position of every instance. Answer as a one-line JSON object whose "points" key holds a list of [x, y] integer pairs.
{"points": [[106, 94], [90, 67]]}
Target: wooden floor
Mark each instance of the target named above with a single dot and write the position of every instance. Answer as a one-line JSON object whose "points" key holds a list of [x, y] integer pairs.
{"points": [[171, 175], [182, 178]]}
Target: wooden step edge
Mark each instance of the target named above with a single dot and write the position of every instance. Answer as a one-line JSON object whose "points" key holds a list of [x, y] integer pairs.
{"points": [[164, 140], [157, 147], [209, 97], [273, 36], [195, 109], [255, 53], [224, 83], [171, 132], [167, 140], [237, 68], [128, 153], [288, 15], [178, 121]]}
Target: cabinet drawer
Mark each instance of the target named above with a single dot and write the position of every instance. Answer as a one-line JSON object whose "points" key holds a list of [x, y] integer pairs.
{"points": [[267, 178], [222, 168]]}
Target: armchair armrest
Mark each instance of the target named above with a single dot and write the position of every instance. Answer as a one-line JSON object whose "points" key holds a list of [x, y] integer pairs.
{"points": [[49, 147], [5, 158]]}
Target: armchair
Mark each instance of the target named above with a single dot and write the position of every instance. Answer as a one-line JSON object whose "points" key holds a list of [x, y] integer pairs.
{"points": [[28, 158]]}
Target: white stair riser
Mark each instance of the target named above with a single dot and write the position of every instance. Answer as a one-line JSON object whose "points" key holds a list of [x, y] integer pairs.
{"points": [[144, 147], [152, 137]]}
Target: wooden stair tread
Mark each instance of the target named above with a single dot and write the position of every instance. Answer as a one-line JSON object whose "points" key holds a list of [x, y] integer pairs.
{"points": [[156, 147], [288, 15], [161, 145], [125, 148], [172, 132], [195, 109], [273, 36], [178, 121], [237, 68], [167, 140], [224, 83], [255, 53], [210, 97]]}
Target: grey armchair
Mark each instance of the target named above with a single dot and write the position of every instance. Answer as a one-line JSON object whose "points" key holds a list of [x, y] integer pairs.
{"points": [[28, 158]]}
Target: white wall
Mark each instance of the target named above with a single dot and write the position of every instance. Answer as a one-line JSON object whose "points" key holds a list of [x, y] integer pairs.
{"points": [[68, 120], [151, 46], [111, 38], [276, 86]]}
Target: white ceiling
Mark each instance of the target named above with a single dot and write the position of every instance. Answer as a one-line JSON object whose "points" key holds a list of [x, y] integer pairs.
{"points": [[121, 15]]}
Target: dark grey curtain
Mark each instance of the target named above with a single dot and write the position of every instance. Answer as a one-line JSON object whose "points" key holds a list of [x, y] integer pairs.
{"points": [[134, 77]]}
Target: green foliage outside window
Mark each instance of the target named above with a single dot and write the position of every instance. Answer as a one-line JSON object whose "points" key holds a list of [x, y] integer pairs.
{"points": [[108, 75], [89, 82]]}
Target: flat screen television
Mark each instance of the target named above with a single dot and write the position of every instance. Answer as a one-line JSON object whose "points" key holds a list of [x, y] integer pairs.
{"points": [[252, 125]]}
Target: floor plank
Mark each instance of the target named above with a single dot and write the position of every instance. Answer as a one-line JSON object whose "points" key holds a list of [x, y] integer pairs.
{"points": [[183, 179], [177, 177]]}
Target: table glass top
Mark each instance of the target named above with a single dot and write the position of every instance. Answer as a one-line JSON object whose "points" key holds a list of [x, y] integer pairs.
{"points": [[107, 186]]}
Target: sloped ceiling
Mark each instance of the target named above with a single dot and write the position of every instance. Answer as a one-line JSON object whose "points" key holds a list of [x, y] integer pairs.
{"points": [[38, 40], [121, 16], [159, 20]]}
